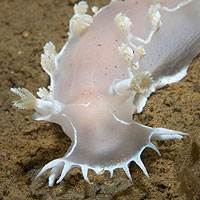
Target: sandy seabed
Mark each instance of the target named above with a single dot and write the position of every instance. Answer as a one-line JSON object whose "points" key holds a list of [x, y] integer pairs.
{"points": [[26, 146]]}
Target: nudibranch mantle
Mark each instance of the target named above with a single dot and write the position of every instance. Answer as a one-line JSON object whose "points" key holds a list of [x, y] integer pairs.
{"points": [[105, 72]]}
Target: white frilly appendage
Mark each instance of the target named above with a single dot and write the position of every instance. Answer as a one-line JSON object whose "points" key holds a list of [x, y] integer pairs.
{"points": [[142, 82], [43, 94], [81, 8], [123, 23], [79, 23], [126, 53], [43, 107], [95, 9], [48, 58], [27, 101], [80, 20]]}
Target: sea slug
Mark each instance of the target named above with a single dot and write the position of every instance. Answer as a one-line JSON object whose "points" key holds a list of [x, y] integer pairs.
{"points": [[105, 72]]}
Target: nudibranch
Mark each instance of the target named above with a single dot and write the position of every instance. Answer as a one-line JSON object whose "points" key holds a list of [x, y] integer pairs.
{"points": [[105, 72]]}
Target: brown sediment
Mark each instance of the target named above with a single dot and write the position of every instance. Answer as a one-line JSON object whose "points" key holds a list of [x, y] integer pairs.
{"points": [[26, 146]]}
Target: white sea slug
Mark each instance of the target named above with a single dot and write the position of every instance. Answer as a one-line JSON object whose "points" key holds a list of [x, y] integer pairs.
{"points": [[105, 72]]}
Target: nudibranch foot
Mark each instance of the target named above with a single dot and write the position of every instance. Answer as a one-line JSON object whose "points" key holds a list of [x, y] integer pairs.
{"points": [[121, 159]]}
